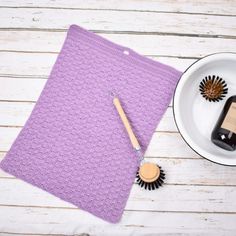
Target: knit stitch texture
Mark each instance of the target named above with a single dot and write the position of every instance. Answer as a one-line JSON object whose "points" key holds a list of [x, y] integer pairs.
{"points": [[74, 145]]}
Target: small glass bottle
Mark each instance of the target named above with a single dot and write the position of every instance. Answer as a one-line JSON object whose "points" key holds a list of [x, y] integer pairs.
{"points": [[224, 133]]}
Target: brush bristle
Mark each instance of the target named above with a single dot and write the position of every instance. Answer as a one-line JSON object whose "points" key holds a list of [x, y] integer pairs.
{"points": [[213, 88], [152, 185]]}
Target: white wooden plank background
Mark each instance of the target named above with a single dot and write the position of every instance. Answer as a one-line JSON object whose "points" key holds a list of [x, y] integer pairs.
{"points": [[199, 196]]}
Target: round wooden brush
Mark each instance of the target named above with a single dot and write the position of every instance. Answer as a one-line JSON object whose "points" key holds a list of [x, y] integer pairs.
{"points": [[149, 175], [213, 88]]}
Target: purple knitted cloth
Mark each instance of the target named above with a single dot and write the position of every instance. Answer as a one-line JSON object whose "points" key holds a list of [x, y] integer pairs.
{"points": [[74, 145]]}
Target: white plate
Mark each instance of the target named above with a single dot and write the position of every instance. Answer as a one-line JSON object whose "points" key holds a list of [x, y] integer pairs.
{"points": [[194, 116]]}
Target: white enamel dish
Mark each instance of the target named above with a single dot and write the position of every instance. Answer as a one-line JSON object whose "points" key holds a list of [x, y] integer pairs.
{"points": [[195, 117]]}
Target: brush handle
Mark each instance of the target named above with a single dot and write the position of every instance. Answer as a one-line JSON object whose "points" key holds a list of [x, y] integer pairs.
{"points": [[126, 123]]}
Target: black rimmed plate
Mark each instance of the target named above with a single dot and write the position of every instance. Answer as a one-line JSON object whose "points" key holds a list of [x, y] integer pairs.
{"points": [[194, 116]]}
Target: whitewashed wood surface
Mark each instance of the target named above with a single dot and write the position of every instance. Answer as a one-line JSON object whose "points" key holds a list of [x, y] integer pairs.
{"points": [[199, 197]]}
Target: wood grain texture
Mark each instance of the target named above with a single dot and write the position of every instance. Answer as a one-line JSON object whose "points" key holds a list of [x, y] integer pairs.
{"points": [[155, 45], [117, 21], [180, 6], [198, 198], [71, 222], [171, 198]]}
